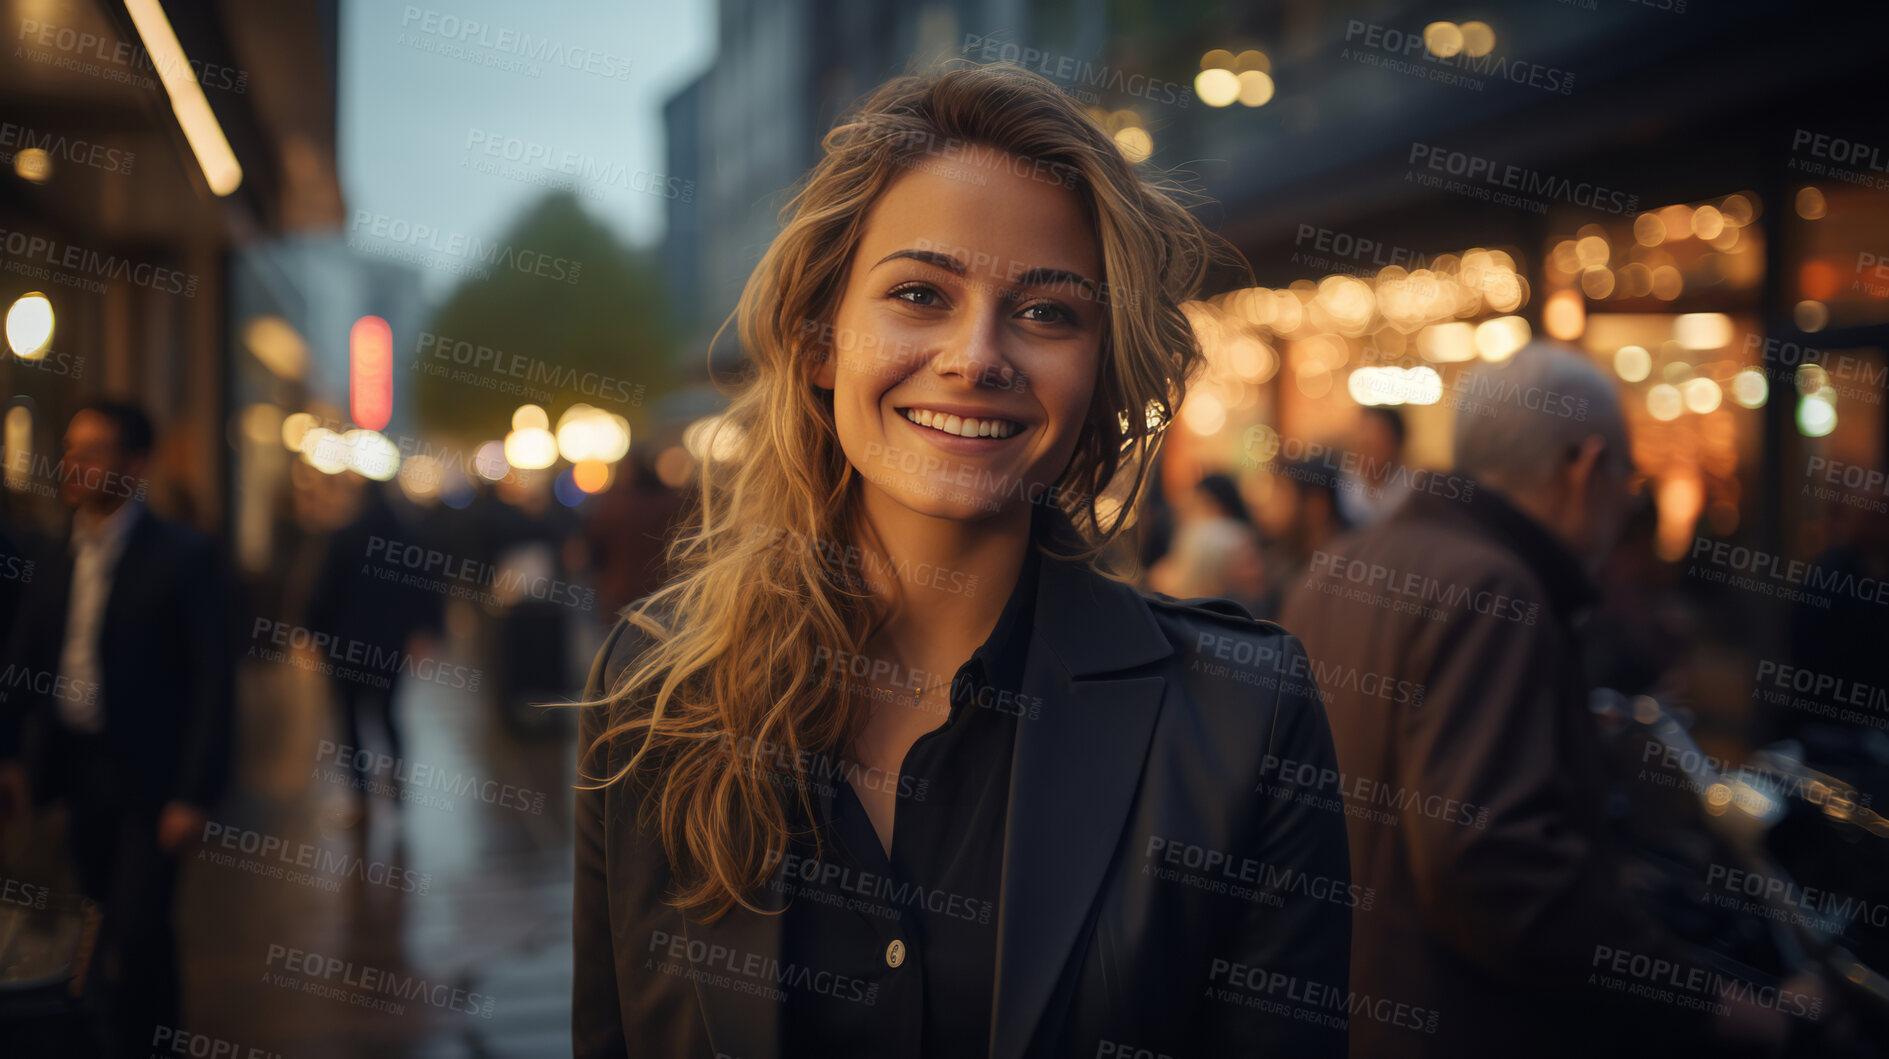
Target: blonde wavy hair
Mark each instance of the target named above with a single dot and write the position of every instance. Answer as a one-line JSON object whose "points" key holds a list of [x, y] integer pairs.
{"points": [[731, 642]]}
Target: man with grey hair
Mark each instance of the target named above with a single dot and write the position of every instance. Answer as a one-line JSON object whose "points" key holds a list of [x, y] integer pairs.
{"points": [[1446, 638]]}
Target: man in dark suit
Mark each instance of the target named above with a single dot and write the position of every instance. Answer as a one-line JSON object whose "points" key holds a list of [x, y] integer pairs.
{"points": [[1447, 637], [124, 712]]}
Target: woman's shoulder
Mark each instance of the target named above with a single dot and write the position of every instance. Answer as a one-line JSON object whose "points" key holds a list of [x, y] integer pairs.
{"points": [[1213, 632], [626, 641]]}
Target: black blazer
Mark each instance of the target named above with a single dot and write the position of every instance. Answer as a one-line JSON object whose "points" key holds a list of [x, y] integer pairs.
{"points": [[166, 652], [1152, 743]]}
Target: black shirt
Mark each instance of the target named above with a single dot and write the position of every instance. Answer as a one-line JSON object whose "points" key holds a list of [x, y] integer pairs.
{"points": [[935, 897]]}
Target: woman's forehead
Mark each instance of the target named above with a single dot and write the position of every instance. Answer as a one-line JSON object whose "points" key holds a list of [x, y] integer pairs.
{"points": [[992, 216]]}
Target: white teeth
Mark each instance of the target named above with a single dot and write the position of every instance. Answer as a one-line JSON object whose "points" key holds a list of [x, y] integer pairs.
{"points": [[961, 426]]}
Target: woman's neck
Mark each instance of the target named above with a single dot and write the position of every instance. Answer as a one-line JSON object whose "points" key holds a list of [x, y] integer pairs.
{"points": [[940, 583]]}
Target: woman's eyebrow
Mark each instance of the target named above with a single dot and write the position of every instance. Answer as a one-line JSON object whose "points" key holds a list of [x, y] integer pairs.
{"points": [[1036, 277]]}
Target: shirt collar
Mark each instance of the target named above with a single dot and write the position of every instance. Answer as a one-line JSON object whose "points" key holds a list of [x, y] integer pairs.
{"points": [[1570, 588], [109, 532]]}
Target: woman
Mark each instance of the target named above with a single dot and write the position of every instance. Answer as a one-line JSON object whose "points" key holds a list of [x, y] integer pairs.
{"points": [[1216, 550], [891, 767]]}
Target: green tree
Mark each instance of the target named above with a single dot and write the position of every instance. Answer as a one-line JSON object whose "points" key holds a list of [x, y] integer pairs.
{"points": [[567, 310]]}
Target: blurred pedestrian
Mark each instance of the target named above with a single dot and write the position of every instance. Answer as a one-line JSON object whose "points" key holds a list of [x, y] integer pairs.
{"points": [[132, 632], [1376, 483], [1216, 549], [627, 534], [1303, 516], [1447, 640], [360, 599]]}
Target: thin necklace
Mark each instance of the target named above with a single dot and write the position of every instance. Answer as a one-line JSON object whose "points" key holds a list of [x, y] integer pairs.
{"points": [[919, 693]]}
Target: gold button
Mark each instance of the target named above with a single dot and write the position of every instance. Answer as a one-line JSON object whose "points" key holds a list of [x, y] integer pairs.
{"points": [[895, 953]]}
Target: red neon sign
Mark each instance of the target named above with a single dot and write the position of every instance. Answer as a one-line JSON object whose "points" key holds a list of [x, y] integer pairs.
{"points": [[371, 373]]}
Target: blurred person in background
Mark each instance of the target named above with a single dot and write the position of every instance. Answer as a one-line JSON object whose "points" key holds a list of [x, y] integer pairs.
{"points": [[626, 534], [1454, 626], [1378, 484], [1216, 549], [129, 642], [358, 597], [1302, 518]]}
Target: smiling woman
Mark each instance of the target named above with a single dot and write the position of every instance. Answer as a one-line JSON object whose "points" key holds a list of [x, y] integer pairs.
{"points": [[810, 826]]}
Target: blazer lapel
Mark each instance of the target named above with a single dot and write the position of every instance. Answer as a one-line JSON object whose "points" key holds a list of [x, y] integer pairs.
{"points": [[1073, 777]]}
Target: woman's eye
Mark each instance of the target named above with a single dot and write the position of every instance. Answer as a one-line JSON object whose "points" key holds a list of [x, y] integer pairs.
{"points": [[917, 294], [1052, 314]]}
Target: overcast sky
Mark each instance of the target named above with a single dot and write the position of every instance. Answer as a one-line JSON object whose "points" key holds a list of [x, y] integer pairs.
{"points": [[418, 86]]}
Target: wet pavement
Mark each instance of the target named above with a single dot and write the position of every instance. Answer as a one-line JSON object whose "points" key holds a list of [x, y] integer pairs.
{"points": [[315, 923]]}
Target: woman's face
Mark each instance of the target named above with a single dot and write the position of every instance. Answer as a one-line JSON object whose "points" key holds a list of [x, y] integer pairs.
{"points": [[967, 339]]}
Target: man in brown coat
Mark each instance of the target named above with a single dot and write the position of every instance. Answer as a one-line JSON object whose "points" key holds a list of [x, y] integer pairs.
{"points": [[1446, 640]]}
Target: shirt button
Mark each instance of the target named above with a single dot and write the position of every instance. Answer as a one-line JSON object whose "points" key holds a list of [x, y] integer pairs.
{"points": [[895, 953]]}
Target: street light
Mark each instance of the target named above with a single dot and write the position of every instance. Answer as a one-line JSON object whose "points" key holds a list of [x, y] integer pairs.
{"points": [[29, 326]]}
